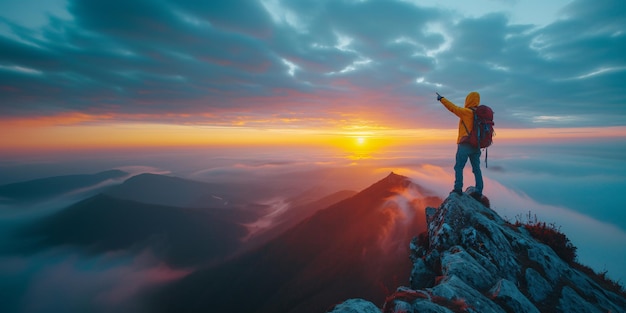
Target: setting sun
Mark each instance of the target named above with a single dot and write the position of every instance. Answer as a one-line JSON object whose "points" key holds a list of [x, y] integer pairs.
{"points": [[360, 141]]}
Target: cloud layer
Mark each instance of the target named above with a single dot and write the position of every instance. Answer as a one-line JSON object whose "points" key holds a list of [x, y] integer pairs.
{"points": [[310, 63], [579, 192]]}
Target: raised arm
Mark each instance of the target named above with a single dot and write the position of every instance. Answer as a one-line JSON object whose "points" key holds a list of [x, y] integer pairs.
{"points": [[457, 110]]}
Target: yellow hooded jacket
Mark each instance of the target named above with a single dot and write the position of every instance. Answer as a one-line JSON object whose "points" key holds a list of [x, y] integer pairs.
{"points": [[465, 114]]}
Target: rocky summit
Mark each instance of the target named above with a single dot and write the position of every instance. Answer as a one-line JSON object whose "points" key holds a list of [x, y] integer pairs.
{"points": [[472, 260]]}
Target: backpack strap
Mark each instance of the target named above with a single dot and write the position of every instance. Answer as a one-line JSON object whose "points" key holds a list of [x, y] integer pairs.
{"points": [[474, 118], [464, 126], [486, 154]]}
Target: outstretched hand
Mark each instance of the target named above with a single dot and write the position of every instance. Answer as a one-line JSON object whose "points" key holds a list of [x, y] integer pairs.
{"points": [[439, 97]]}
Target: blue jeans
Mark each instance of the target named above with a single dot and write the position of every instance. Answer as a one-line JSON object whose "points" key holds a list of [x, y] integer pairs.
{"points": [[463, 152]]}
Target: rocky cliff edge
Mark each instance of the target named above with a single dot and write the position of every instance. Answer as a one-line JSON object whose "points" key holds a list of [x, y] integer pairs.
{"points": [[472, 260]]}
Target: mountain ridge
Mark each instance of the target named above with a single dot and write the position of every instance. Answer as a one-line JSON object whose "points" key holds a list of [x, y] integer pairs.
{"points": [[338, 252], [170, 190], [104, 223], [41, 188]]}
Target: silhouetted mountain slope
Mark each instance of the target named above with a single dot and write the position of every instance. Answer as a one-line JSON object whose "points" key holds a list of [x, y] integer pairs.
{"points": [[180, 192], [354, 247], [294, 215], [306, 209], [182, 236], [474, 261], [171, 191], [38, 189]]}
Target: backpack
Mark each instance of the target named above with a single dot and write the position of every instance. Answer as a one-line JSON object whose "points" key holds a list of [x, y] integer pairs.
{"points": [[482, 132]]}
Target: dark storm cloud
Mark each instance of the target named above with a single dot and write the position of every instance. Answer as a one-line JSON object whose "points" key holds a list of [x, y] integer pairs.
{"points": [[222, 59]]}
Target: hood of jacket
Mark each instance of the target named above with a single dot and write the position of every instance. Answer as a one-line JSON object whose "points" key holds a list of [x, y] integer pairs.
{"points": [[472, 100]]}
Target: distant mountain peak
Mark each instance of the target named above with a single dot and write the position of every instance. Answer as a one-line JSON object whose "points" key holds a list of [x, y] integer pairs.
{"points": [[396, 179], [393, 177], [472, 260], [393, 174], [388, 185], [394, 184]]}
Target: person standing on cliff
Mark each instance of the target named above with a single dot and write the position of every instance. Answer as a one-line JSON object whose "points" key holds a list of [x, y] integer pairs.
{"points": [[465, 150]]}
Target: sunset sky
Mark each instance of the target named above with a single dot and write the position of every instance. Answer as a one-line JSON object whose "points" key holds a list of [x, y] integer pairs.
{"points": [[101, 74], [329, 91]]}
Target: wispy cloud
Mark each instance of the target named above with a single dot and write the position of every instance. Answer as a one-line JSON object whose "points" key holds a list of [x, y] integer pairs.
{"points": [[63, 280]]}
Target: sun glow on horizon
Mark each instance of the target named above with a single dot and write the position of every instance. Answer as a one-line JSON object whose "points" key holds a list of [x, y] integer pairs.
{"points": [[359, 140]]}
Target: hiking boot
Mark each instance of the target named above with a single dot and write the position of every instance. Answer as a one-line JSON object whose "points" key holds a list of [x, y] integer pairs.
{"points": [[457, 191], [478, 197]]}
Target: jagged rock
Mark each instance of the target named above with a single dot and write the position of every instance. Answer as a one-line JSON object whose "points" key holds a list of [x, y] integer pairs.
{"points": [[355, 306], [421, 275], [429, 307], [453, 288], [571, 302], [460, 215], [430, 213], [506, 293], [538, 287], [474, 261], [548, 261], [401, 306], [456, 261]]}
